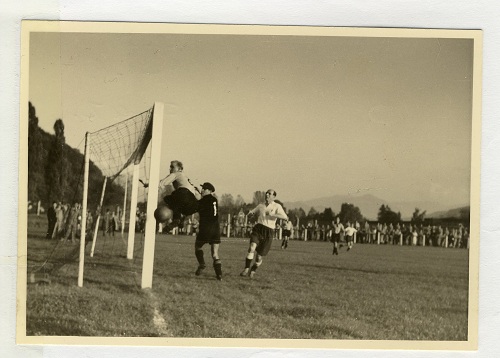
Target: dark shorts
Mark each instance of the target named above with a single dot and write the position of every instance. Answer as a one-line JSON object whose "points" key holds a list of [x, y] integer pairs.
{"points": [[182, 201], [208, 234], [263, 237], [335, 237], [349, 238], [286, 233]]}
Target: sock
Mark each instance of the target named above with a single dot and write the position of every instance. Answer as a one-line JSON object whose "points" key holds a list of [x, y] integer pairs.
{"points": [[218, 267], [256, 265], [249, 259], [199, 257]]}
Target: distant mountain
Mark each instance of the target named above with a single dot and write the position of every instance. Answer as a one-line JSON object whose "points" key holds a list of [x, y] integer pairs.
{"points": [[457, 213], [368, 204]]}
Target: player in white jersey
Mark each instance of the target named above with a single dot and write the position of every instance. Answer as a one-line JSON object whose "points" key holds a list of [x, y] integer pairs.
{"points": [[184, 199], [349, 235], [287, 233], [262, 234]]}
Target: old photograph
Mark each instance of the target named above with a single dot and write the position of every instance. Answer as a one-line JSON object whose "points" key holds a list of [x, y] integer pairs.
{"points": [[228, 185]]}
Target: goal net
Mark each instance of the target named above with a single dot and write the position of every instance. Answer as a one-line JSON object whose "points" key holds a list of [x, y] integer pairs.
{"points": [[116, 150]]}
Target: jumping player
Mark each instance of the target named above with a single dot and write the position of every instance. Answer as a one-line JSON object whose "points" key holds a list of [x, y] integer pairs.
{"points": [[209, 232], [184, 199], [337, 229], [262, 234]]}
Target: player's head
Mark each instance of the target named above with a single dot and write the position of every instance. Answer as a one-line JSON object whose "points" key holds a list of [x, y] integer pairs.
{"points": [[176, 166], [270, 195], [207, 188]]}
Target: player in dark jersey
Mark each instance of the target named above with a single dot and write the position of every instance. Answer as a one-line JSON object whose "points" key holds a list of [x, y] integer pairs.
{"points": [[209, 230], [338, 228]]}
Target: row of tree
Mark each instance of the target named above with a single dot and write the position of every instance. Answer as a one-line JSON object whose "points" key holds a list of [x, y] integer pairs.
{"points": [[55, 170], [348, 212]]}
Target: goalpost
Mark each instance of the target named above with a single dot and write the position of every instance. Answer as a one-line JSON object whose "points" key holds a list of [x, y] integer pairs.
{"points": [[113, 150]]}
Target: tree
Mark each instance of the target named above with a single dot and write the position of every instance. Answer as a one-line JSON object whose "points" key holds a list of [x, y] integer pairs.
{"points": [[226, 201], [418, 217], [294, 214], [312, 213], [351, 213], [36, 180], [258, 197], [386, 215], [56, 170], [327, 216], [464, 214], [239, 202]]}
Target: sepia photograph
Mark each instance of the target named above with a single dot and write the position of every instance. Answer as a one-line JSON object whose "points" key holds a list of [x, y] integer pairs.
{"points": [[237, 185]]}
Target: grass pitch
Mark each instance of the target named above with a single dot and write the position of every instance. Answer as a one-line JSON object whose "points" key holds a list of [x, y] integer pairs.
{"points": [[375, 292]]}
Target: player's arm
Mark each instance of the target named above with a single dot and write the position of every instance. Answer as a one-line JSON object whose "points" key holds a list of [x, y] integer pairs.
{"points": [[215, 207], [169, 179], [251, 212]]}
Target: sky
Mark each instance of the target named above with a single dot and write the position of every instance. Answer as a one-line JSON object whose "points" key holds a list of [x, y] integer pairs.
{"points": [[309, 116]]}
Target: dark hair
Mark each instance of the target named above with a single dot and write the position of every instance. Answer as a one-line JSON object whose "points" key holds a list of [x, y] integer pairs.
{"points": [[178, 164], [271, 190]]}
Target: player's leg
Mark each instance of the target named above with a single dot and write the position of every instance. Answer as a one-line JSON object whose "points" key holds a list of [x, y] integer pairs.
{"points": [[284, 244], [349, 242], [256, 265], [250, 256], [262, 250], [198, 251], [171, 202], [336, 239], [181, 202], [217, 261]]}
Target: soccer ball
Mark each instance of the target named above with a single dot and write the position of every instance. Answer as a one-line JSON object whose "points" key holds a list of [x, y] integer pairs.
{"points": [[163, 213]]}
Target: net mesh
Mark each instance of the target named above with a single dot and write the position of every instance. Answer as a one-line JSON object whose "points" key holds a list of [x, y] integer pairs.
{"points": [[114, 148]]}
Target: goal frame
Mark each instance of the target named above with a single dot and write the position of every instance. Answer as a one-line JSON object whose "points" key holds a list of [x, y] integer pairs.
{"points": [[152, 202]]}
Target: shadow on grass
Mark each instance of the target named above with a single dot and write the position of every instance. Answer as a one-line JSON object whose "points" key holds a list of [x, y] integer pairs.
{"points": [[123, 287]]}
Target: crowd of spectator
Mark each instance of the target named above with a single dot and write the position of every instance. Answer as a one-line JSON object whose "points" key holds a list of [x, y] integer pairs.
{"points": [[443, 235], [64, 223]]}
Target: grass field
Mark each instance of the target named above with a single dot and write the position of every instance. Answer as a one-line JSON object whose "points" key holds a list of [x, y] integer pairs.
{"points": [[372, 292]]}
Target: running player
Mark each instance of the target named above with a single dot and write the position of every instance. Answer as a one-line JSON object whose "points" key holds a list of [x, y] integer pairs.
{"points": [[262, 234], [338, 228], [349, 235], [287, 233]]}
